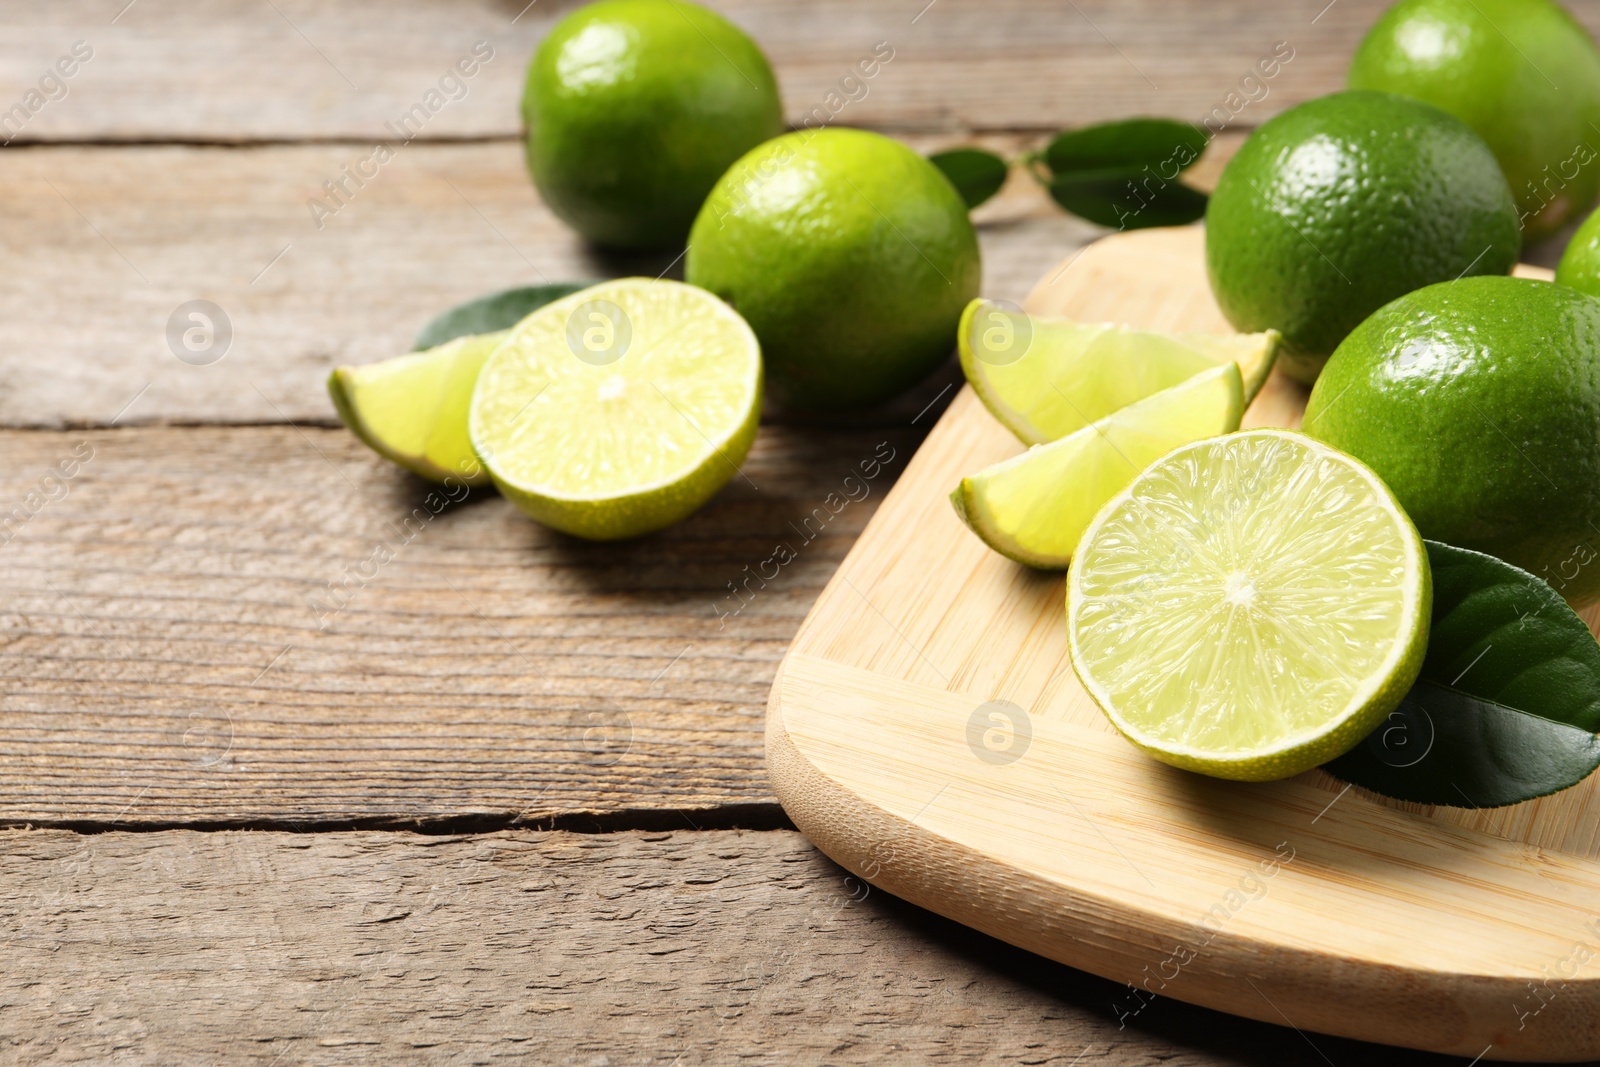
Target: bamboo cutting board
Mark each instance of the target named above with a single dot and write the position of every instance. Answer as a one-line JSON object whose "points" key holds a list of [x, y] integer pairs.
{"points": [[926, 731]]}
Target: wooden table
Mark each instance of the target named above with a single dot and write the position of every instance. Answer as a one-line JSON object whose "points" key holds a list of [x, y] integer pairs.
{"points": [[499, 796]]}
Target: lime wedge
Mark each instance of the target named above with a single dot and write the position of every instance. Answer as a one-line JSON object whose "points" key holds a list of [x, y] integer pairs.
{"points": [[1044, 378], [413, 409], [619, 409], [1250, 606], [1034, 507]]}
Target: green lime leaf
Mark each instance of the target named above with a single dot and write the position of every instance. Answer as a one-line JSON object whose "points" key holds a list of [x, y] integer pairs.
{"points": [[489, 314], [1508, 702], [1166, 146], [976, 174], [1129, 203]]}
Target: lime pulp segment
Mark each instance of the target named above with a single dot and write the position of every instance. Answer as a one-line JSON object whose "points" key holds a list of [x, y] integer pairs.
{"points": [[1044, 378], [619, 409], [1034, 507], [1250, 607], [412, 409]]}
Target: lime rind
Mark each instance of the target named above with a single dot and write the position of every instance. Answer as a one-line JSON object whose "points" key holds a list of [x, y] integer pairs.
{"points": [[1044, 378], [1033, 507], [632, 435], [1255, 353], [1261, 592], [412, 409]]}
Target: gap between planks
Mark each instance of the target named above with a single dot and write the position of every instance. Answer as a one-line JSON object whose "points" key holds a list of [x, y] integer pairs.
{"points": [[743, 817]]}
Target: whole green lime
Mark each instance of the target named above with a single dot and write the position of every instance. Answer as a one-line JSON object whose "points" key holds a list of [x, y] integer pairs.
{"points": [[1478, 402], [1580, 263], [851, 257], [634, 108], [1335, 207], [1522, 73]]}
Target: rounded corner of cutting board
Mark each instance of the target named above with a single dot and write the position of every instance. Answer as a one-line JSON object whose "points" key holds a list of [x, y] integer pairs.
{"points": [[1428, 931], [880, 827]]}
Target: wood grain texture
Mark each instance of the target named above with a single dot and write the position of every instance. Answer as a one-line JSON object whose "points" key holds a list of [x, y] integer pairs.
{"points": [[715, 947], [102, 245], [226, 70], [1303, 901], [269, 624], [163, 660]]}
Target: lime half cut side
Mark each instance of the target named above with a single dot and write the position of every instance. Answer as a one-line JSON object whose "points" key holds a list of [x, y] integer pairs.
{"points": [[1045, 378], [413, 409], [1250, 606], [620, 409], [1033, 508]]}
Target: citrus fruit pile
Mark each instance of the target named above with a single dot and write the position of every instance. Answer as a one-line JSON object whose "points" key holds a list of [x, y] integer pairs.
{"points": [[1247, 604], [1255, 603], [650, 122], [830, 266], [607, 414], [1253, 635], [1252, 604]]}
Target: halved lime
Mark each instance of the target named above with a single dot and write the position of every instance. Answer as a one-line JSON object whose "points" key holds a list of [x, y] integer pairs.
{"points": [[1034, 507], [1044, 378], [1250, 606], [413, 409], [619, 409]]}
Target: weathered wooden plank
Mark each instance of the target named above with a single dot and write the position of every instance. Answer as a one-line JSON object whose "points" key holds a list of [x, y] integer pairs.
{"points": [[270, 624], [714, 947], [104, 245], [224, 70], [104, 248]]}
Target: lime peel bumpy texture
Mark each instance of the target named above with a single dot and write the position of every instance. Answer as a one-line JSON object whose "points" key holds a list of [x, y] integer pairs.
{"points": [[1524, 74], [634, 108], [1341, 204], [1478, 403], [850, 255]]}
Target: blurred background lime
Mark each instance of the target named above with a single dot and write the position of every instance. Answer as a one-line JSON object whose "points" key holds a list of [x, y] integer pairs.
{"points": [[850, 255], [1522, 73], [1580, 263], [1478, 402], [634, 108], [1343, 203]]}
